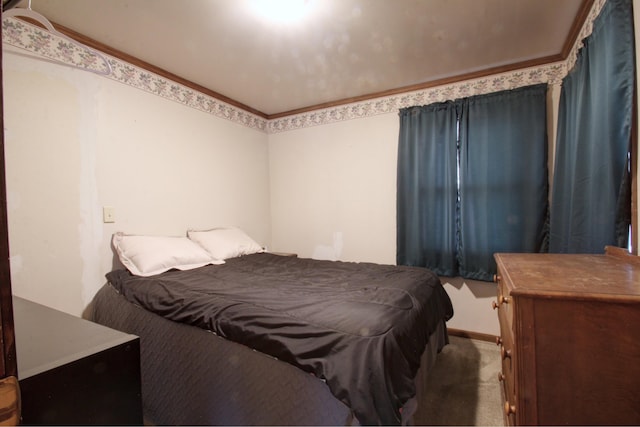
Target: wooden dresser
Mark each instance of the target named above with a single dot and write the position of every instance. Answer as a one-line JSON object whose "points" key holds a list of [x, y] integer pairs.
{"points": [[570, 338]]}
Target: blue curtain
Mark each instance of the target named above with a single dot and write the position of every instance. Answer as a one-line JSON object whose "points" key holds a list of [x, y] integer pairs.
{"points": [[503, 177], [591, 189], [464, 195], [427, 187]]}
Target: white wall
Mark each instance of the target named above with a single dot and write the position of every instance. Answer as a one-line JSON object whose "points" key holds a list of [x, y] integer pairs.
{"points": [[333, 190], [76, 142]]}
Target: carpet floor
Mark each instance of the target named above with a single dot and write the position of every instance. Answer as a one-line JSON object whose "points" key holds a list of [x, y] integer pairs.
{"points": [[463, 388]]}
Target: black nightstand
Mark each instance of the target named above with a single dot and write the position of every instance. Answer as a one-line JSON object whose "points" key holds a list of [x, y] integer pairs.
{"points": [[73, 371]]}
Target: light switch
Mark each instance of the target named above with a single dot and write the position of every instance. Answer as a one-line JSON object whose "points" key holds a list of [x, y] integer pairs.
{"points": [[108, 214]]}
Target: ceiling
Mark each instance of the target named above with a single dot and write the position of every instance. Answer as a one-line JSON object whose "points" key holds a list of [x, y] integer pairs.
{"points": [[339, 49]]}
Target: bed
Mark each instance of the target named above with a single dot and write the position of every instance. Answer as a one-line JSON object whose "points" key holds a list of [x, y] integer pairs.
{"points": [[265, 339]]}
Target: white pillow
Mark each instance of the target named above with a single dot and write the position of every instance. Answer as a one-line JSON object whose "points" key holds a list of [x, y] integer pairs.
{"points": [[150, 255], [224, 243]]}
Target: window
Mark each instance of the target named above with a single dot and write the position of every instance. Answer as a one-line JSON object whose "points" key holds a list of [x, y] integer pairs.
{"points": [[472, 181]]}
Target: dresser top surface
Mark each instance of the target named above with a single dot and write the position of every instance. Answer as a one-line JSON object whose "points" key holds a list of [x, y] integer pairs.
{"points": [[48, 338], [590, 276]]}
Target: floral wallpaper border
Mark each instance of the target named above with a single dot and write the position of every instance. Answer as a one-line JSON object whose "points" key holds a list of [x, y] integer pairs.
{"points": [[32, 39]]}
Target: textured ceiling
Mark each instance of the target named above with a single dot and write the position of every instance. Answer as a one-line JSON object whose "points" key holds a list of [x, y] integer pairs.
{"points": [[339, 49]]}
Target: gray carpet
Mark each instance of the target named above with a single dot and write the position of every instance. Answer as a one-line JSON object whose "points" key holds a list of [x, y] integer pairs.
{"points": [[463, 387]]}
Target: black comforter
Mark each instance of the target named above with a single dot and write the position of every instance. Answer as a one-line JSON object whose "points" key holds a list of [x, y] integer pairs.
{"points": [[360, 327]]}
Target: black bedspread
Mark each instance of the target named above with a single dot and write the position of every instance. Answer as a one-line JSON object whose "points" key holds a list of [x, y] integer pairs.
{"points": [[360, 327]]}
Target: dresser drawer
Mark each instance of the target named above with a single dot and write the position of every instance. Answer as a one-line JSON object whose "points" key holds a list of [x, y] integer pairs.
{"points": [[507, 376], [507, 355], [509, 417], [504, 303]]}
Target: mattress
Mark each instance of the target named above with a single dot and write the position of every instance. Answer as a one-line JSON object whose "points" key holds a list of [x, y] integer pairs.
{"points": [[357, 347]]}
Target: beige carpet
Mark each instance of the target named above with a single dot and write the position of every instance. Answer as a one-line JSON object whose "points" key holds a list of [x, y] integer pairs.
{"points": [[463, 388]]}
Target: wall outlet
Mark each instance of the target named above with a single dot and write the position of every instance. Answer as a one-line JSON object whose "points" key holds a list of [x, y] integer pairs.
{"points": [[108, 214]]}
